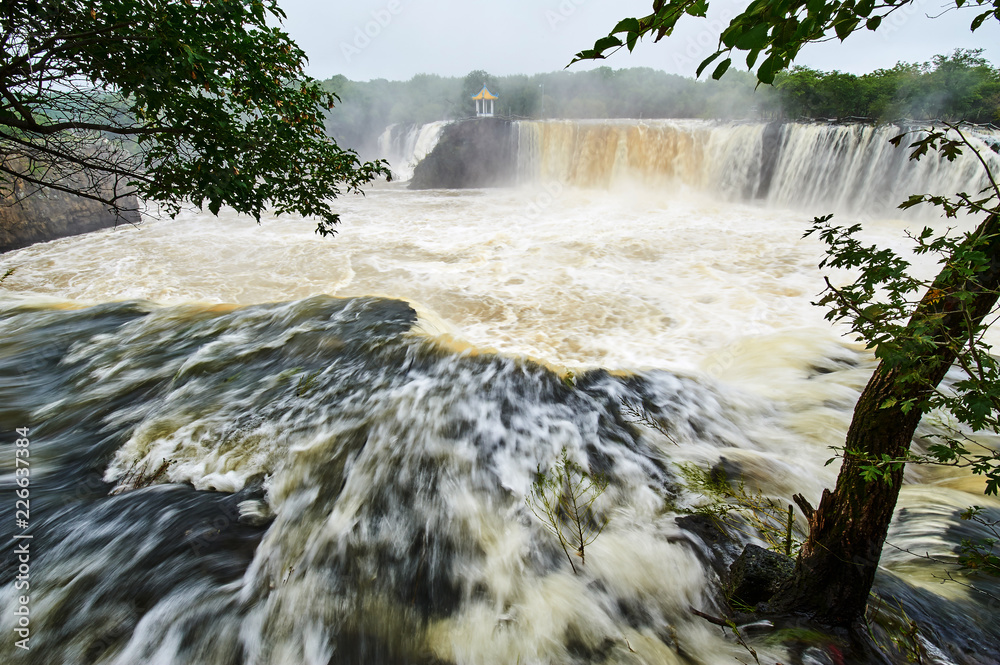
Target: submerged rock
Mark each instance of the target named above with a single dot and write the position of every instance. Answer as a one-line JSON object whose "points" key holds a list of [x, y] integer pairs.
{"points": [[713, 545]]}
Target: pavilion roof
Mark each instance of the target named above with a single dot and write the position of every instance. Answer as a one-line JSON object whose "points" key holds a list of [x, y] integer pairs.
{"points": [[485, 94]]}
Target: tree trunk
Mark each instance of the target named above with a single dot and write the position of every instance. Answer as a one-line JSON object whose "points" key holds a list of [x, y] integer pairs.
{"points": [[836, 566]]}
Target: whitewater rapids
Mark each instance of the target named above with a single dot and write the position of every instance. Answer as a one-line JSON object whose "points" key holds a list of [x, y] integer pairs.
{"points": [[354, 424]]}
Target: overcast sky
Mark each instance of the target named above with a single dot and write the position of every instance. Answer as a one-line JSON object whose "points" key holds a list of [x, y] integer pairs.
{"points": [[395, 39]]}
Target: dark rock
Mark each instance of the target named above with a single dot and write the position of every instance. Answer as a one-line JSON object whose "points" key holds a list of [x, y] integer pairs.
{"points": [[28, 216], [772, 142], [714, 546], [480, 152], [756, 575]]}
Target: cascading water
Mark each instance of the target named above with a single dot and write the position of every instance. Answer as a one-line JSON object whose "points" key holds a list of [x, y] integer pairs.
{"points": [[353, 426], [403, 146], [826, 167]]}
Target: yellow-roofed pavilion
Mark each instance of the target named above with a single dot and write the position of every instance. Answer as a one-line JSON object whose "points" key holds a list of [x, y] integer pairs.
{"points": [[481, 99]]}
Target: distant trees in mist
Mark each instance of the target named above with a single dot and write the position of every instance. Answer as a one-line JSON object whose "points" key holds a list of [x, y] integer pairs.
{"points": [[956, 87], [959, 86]]}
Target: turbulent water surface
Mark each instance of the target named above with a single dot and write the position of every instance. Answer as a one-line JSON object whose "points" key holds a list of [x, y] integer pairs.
{"points": [[353, 425]]}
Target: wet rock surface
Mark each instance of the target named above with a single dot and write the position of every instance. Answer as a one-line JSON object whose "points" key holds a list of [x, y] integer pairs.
{"points": [[480, 152], [27, 218], [756, 575]]}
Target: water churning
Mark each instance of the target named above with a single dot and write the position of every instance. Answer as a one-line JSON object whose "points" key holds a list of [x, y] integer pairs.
{"points": [[353, 425]]}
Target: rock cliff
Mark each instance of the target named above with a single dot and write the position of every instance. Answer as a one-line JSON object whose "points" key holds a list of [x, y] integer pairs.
{"points": [[480, 152], [49, 214]]}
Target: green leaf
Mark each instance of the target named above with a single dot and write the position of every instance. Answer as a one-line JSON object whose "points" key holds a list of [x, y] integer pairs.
{"points": [[605, 43], [697, 8], [721, 69], [915, 199], [628, 25], [731, 34], [755, 38], [870, 473], [845, 27], [771, 65], [979, 407], [588, 54], [815, 6], [706, 62], [873, 23]]}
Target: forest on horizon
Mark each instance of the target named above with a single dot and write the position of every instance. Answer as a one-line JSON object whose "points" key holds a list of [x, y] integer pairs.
{"points": [[961, 86]]}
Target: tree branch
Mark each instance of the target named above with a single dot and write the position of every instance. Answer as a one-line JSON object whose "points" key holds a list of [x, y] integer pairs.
{"points": [[65, 155], [111, 202]]}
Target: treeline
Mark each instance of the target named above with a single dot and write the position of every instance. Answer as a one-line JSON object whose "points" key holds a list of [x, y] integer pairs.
{"points": [[959, 86]]}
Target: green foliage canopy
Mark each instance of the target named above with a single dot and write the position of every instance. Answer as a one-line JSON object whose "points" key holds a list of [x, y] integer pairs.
{"points": [[175, 101], [902, 316], [961, 86]]}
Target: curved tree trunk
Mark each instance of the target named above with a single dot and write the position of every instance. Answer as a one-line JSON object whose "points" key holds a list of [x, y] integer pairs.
{"points": [[836, 566]]}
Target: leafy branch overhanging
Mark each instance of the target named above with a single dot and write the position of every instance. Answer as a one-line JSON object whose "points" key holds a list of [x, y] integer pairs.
{"points": [[179, 102], [879, 306]]}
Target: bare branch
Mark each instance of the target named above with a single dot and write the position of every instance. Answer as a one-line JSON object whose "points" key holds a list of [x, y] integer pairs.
{"points": [[111, 202]]}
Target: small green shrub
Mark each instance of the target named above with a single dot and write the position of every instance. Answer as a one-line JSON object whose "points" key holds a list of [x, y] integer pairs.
{"points": [[563, 499], [736, 508]]}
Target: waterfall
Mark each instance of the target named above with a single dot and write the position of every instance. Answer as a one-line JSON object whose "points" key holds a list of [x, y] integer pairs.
{"points": [[350, 429], [405, 145], [855, 168], [395, 471], [818, 167]]}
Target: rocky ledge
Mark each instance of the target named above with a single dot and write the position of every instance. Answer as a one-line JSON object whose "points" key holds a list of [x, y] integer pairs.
{"points": [[479, 152]]}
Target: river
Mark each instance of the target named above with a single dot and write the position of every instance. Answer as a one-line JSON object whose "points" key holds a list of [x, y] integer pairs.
{"points": [[353, 425]]}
